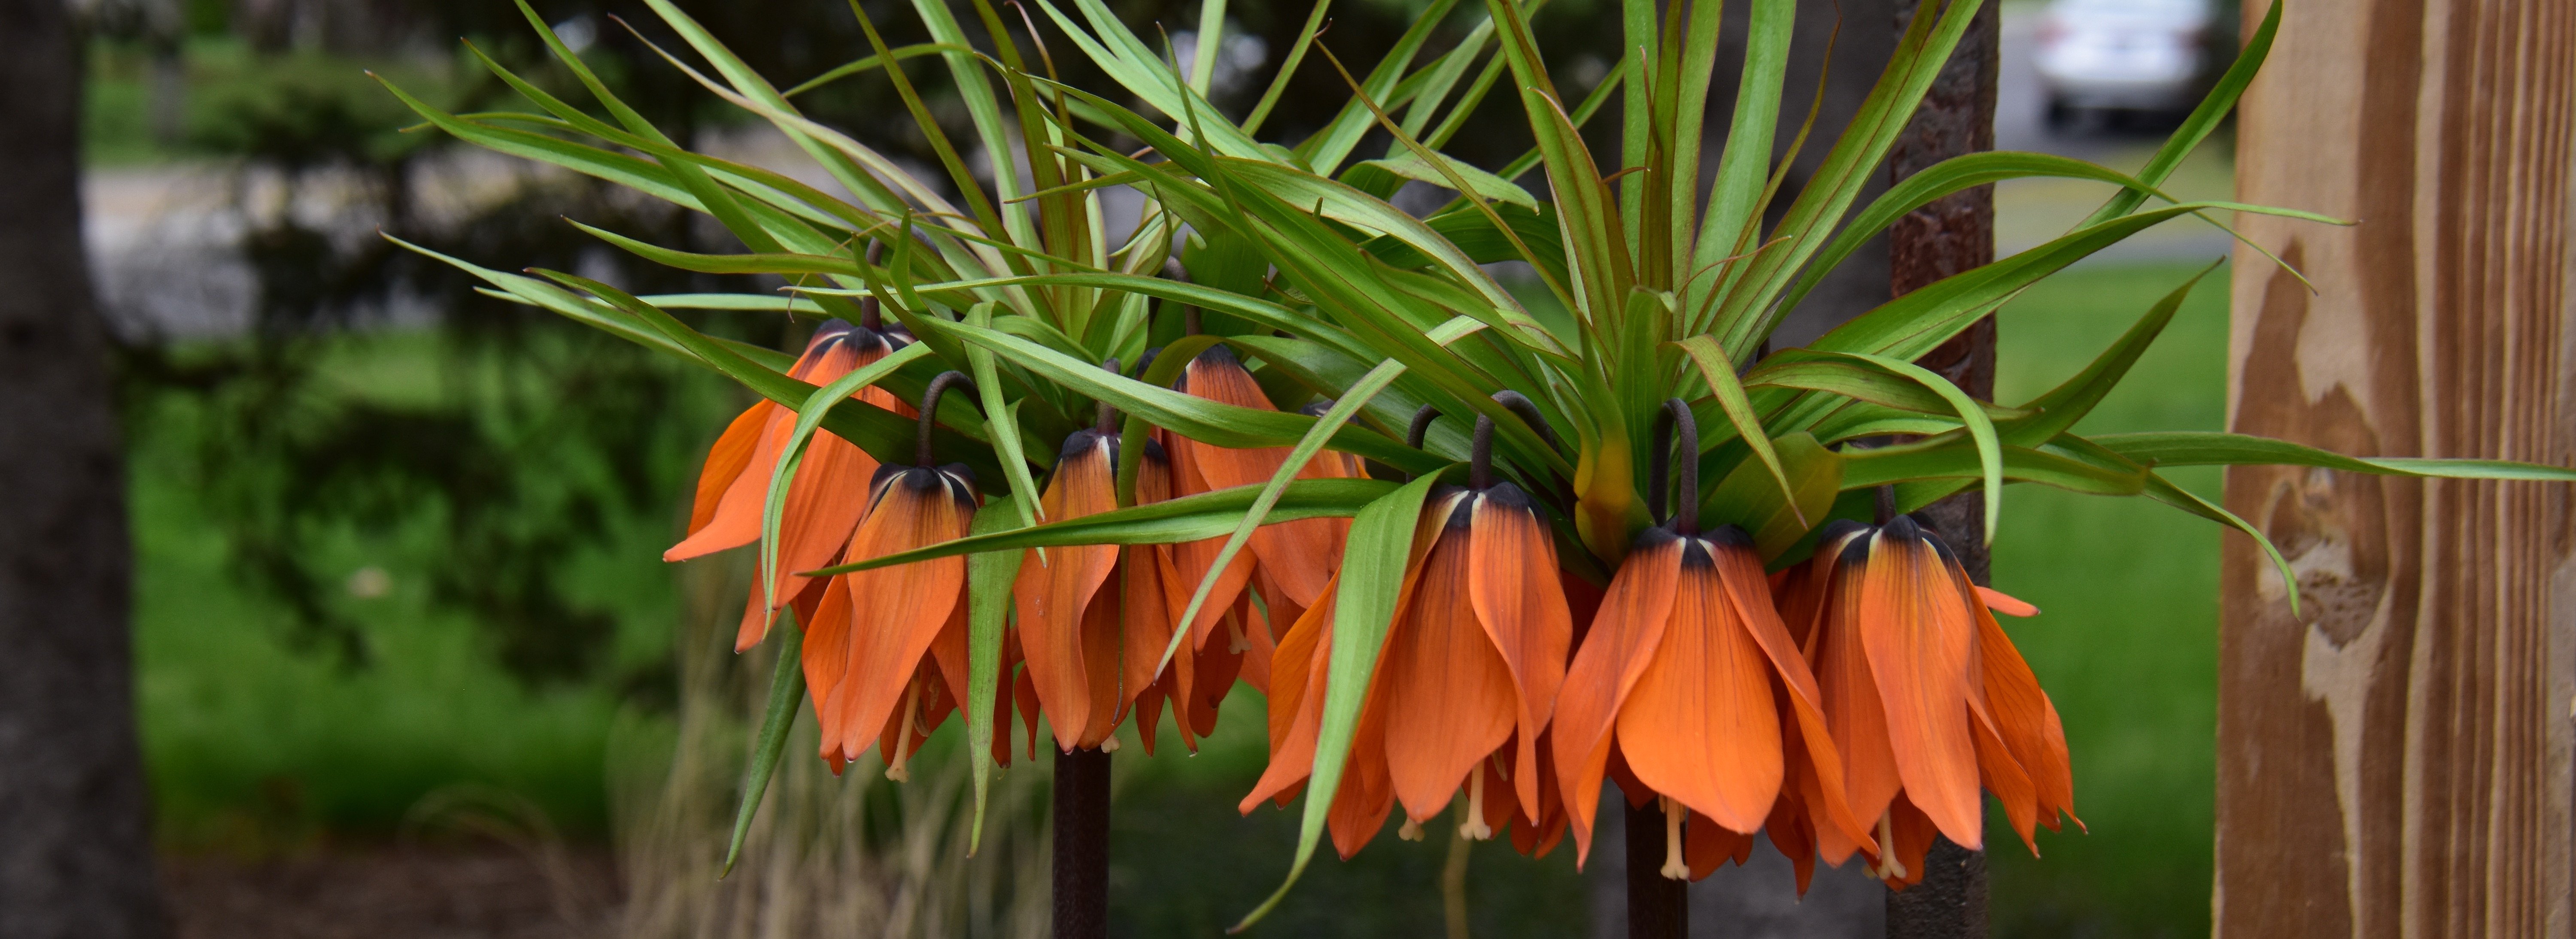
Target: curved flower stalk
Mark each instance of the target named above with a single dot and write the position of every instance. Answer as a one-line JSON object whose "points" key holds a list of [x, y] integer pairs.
{"points": [[1926, 696], [1468, 680], [1685, 676]]}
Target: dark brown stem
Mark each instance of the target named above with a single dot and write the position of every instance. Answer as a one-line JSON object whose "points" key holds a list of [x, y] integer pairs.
{"points": [[930, 410], [1105, 418], [1685, 517], [1081, 844], [1480, 455], [1658, 906], [1521, 405], [1173, 270], [872, 310], [1421, 426], [1886, 504]]}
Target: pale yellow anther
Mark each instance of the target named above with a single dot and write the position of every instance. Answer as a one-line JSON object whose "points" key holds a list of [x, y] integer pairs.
{"points": [[1410, 831]]}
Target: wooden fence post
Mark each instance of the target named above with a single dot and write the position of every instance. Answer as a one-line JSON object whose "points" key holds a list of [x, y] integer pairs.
{"points": [[2394, 758]]}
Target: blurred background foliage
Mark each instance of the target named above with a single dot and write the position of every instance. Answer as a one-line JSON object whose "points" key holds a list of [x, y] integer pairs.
{"points": [[398, 538]]}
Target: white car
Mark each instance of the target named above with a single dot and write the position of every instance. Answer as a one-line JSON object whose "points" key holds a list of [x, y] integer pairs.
{"points": [[2123, 55]]}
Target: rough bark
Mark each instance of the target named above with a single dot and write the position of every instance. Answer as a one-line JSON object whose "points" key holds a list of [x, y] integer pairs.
{"points": [[75, 860], [1951, 235]]}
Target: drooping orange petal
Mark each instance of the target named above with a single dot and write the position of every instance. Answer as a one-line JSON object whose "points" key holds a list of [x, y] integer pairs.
{"points": [[1215, 666], [1296, 703], [1918, 631], [1536, 836], [1100, 664], [818, 511], [1512, 585], [1262, 643], [1053, 592], [2005, 603], [1792, 827], [896, 612], [1699, 726], [2026, 721], [1448, 695], [726, 459], [1622, 640], [735, 518], [1855, 718], [1024, 695], [1366, 794], [2004, 777], [1300, 554], [826, 661], [1739, 569], [1706, 847], [1146, 629]]}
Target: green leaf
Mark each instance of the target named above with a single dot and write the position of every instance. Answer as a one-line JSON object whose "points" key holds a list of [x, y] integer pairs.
{"points": [[1199, 419], [1749, 499], [2059, 409], [1372, 579], [2213, 109], [786, 691], [1980, 428], [1956, 459], [1340, 413], [1411, 166], [1189, 518], [1914, 324], [1005, 421], [1941, 179], [2196, 448], [1720, 374], [886, 437], [988, 606]]}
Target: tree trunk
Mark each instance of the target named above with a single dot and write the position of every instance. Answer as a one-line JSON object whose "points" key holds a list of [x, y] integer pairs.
{"points": [[1949, 236], [2394, 757], [75, 841]]}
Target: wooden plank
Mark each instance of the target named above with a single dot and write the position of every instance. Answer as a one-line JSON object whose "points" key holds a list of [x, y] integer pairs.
{"points": [[2395, 760]]}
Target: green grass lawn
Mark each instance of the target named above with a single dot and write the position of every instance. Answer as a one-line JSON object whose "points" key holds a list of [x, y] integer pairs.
{"points": [[255, 740], [2127, 644]]}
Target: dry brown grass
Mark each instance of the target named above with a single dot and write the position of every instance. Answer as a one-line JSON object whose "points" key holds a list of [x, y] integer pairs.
{"points": [[853, 856]]}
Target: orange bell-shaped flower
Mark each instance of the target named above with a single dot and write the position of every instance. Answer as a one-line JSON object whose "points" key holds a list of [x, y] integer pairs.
{"points": [[1298, 556], [1689, 680], [1928, 700], [824, 501], [1464, 687], [885, 654], [1094, 619]]}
